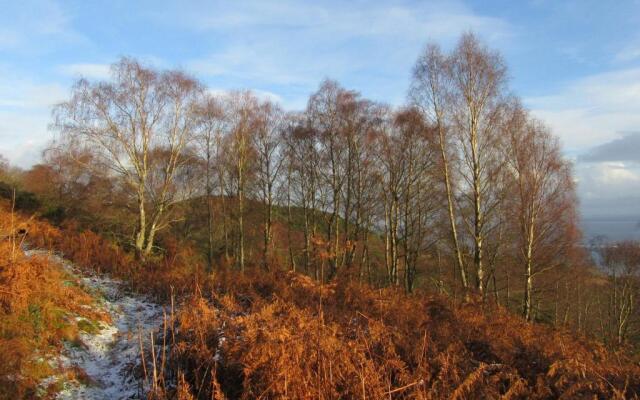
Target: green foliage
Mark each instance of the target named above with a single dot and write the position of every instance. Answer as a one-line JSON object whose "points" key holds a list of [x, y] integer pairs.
{"points": [[88, 326], [24, 201], [55, 214]]}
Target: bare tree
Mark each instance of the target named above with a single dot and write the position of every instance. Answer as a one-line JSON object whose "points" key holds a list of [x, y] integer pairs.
{"points": [[430, 92], [621, 261], [542, 206], [240, 153], [269, 159], [325, 113], [303, 162], [122, 121], [418, 199], [211, 124], [478, 81], [390, 155]]}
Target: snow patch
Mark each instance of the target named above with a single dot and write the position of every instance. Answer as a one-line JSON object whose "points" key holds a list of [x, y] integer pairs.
{"points": [[109, 356]]}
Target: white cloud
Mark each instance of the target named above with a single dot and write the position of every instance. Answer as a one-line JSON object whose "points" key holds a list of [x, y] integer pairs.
{"points": [[629, 53], [609, 188], [262, 63], [594, 116], [25, 112], [441, 20], [30, 95], [36, 25], [592, 110], [615, 174], [23, 136], [87, 70], [285, 44], [260, 94], [17, 90]]}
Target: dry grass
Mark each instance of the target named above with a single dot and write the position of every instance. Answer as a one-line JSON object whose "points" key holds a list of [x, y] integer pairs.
{"points": [[279, 342], [38, 305], [281, 335]]}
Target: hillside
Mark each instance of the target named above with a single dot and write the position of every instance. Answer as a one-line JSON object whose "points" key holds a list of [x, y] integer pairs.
{"points": [[281, 335], [287, 230]]}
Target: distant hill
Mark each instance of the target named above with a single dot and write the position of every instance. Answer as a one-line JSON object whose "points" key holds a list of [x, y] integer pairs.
{"points": [[614, 228]]}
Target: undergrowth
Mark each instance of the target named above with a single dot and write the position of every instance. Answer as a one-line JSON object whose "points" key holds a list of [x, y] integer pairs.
{"points": [[39, 304], [282, 335]]}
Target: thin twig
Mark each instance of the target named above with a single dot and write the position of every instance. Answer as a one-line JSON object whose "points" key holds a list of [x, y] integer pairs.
{"points": [[144, 364], [421, 381]]}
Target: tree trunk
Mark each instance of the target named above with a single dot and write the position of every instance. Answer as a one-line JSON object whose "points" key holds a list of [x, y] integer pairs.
{"points": [[142, 223], [292, 260], [452, 219], [209, 190], [267, 232], [527, 292], [477, 208], [153, 230], [528, 273], [240, 194], [241, 227]]}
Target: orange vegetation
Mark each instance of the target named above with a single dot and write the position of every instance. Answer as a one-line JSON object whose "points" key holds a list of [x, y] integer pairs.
{"points": [[282, 335], [286, 337], [39, 303]]}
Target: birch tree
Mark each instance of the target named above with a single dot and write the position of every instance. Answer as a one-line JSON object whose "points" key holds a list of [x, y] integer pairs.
{"points": [[121, 122], [211, 127], [303, 163], [542, 203], [267, 142], [240, 155], [621, 261], [431, 93], [478, 78], [325, 113]]}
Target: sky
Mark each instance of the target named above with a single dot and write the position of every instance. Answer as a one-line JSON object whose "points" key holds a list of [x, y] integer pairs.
{"points": [[575, 64]]}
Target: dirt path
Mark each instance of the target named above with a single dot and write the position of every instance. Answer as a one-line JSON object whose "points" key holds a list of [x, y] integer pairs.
{"points": [[109, 354]]}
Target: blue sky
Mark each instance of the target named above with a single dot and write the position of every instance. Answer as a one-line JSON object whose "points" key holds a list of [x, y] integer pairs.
{"points": [[576, 64]]}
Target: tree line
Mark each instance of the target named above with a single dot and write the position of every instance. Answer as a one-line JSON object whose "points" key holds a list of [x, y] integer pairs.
{"points": [[460, 190]]}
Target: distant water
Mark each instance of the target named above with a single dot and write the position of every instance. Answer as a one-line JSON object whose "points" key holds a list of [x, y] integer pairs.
{"points": [[613, 228]]}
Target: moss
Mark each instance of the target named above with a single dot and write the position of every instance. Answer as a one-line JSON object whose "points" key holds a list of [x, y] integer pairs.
{"points": [[59, 318], [35, 316], [88, 326]]}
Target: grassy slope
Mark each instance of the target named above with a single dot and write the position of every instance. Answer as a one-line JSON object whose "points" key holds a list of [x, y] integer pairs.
{"points": [[39, 308], [280, 334], [284, 336]]}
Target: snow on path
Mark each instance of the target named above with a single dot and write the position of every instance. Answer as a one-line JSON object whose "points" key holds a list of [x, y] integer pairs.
{"points": [[108, 357]]}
